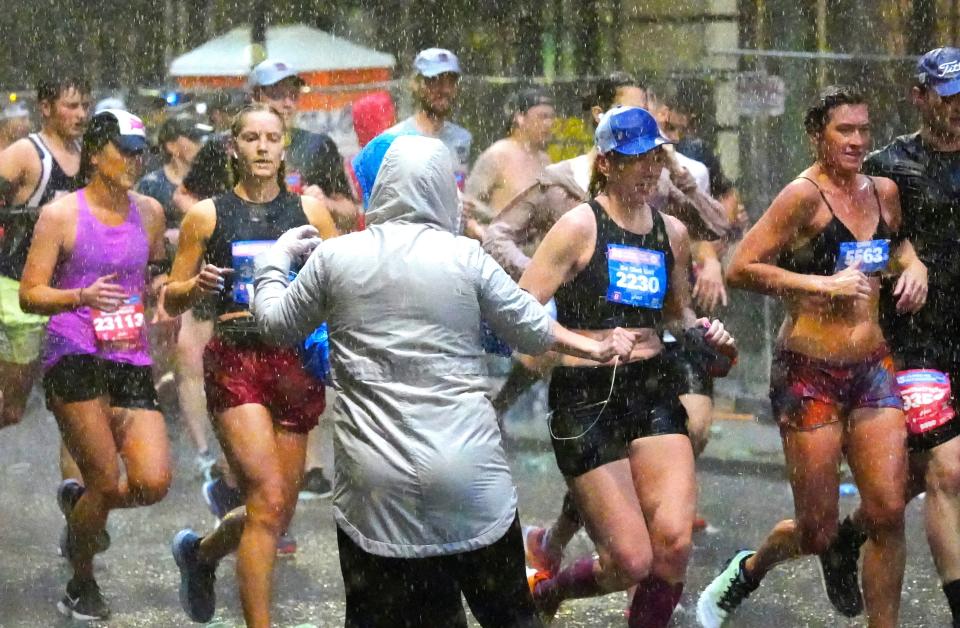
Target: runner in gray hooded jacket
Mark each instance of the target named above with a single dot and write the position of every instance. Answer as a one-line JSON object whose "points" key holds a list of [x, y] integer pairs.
{"points": [[424, 502]]}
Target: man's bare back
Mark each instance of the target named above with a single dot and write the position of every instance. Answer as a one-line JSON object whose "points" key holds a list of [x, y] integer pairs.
{"points": [[504, 170]]}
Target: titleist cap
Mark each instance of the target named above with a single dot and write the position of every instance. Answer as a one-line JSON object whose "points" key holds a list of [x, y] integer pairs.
{"points": [[940, 69]]}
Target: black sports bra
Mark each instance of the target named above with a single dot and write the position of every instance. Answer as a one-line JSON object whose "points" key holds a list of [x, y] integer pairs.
{"points": [[836, 247], [625, 282]]}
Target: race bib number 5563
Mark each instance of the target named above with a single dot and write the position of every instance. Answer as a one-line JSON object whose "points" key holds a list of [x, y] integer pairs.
{"points": [[637, 276], [873, 255]]}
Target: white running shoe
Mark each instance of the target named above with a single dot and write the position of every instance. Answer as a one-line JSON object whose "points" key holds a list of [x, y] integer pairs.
{"points": [[725, 593]]}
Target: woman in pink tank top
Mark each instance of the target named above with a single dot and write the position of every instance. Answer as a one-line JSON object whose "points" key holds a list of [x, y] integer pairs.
{"points": [[88, 269]]}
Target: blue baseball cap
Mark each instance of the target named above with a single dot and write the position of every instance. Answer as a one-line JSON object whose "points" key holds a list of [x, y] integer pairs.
{"points": [[628, 131], [940, 69], [436, 61]]}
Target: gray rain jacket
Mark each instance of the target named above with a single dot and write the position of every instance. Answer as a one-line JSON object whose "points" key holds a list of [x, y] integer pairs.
{"points": [[420, 470]]}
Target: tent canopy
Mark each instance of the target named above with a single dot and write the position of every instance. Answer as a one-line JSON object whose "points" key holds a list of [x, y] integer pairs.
{"points": [[321, 59]]}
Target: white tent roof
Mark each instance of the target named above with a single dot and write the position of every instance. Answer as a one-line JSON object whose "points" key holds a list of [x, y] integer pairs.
{"points": [[303, 48]]}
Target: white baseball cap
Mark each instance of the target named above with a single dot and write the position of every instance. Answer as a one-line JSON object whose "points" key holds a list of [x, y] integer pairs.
{"points": [[271, 72], [436, 61]]}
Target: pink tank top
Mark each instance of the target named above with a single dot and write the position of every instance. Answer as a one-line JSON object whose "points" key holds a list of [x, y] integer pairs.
{"points": [[101, 250]]}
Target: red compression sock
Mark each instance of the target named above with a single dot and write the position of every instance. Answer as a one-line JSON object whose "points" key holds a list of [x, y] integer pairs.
{"points": [[653, 603]]}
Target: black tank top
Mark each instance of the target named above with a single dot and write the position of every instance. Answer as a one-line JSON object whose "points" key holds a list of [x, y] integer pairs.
{"points": [[18, 222], [243, 228], [820, 255], [624, 283]]}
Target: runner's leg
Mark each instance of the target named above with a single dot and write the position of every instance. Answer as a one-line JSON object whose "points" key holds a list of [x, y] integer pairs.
{"points": [[877, 455]]}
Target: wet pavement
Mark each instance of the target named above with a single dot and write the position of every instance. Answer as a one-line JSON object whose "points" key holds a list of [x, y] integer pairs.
{"points": [[742, 494]]}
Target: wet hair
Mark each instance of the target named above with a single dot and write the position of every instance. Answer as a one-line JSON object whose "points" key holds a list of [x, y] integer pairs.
{"points": [[598, 180], [236, 127], [833, 96], [209, 174], [49, 89], [605, 91], [520, 102], [102, 129]]}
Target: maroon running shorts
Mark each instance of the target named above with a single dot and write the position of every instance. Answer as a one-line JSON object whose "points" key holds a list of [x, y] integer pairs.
{"points": [[274, 377]]}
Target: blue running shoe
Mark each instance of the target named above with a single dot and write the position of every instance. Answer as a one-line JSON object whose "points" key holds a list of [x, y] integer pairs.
{"points": [[221, 498], [197, 595]]}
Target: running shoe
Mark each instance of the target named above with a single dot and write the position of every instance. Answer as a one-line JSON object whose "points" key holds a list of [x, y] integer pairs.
{"points": [[725, 593], [83, 601], [838, 570], [221, 498], [315, 485], [68, 494], [545, 608], [197, 595], [286, 545], [699, 524], [537, 555]]}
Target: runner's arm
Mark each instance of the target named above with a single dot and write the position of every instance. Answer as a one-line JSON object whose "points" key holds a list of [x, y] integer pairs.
{"points": [[709, 290], [753, 266], [320, 217], [183, 289], [12, 169], [36, 294], [479, 187], [564, 252], [516, 317], [704, 216], [287, 312], [911, 286], [502, 238], [677, 308]]}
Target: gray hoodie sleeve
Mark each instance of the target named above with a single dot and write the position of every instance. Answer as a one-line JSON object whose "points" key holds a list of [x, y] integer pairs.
{"points": [[288, 312], [514, 315]]}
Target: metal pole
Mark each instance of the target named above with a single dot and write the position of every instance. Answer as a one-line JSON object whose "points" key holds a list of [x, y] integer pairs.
{"points": [[258, 33], [821, 43]]}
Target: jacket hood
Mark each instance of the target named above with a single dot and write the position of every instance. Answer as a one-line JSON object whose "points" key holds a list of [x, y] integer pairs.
{"points": [[416, 184]]}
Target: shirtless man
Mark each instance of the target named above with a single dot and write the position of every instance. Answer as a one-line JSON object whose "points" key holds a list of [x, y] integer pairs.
{"points": [[33, 171], [512, 164]]}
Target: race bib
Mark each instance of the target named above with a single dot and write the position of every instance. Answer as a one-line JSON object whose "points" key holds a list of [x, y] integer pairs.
{"points": [[873, 255], [121, 328], [926, 399], [637, 276], [244, 252]]}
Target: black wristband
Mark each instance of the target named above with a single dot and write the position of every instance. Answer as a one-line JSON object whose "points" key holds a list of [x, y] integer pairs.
{"points": [[160, 267]]}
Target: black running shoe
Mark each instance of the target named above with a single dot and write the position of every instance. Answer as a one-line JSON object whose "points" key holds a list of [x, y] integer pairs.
{"points": [[197, 593], [315, 485], [83, 601], [838, 569]]}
